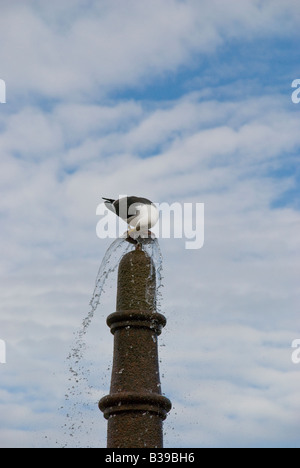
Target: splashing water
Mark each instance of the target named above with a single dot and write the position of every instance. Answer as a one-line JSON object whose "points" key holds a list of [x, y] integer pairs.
{"points": [[82, 396], [151, 247]]}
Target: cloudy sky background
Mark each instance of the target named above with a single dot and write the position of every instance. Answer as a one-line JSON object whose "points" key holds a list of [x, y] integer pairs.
{"points": [[177, 101]]}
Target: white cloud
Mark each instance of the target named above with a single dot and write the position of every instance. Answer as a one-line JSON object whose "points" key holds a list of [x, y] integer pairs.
{"points": [[93, 47]]}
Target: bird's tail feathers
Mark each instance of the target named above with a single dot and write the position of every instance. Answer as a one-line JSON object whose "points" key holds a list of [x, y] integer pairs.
{"points": [[109, 203], [110, 200]]}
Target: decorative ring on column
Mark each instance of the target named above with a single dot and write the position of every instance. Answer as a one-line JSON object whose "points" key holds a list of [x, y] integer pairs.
{"points": [[136, 318], [135, 402]]}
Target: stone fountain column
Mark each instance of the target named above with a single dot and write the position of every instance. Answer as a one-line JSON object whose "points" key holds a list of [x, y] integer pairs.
{"points": [[135, 408]]}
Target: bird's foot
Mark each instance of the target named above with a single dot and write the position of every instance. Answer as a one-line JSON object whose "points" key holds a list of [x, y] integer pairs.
{"points": [[138, 237], [129, 239]]}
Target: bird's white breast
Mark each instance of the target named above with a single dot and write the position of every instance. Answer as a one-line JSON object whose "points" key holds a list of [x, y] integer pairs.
{"points": [[146, 218]]}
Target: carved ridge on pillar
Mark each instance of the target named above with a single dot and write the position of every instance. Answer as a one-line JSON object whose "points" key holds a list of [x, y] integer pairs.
{"points": [[133, 402], [136, 318]]}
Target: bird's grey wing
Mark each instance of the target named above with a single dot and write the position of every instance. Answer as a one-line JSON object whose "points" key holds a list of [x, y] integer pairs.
{"points": [[139, 200], [127, 208], [121, 208]]}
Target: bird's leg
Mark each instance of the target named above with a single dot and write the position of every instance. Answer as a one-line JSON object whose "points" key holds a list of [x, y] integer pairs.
{"points": [[130, 238], [135, 234], [131, 231]]}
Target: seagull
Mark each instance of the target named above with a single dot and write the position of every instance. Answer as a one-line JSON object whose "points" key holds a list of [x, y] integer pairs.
{"points": [[140, 213]]}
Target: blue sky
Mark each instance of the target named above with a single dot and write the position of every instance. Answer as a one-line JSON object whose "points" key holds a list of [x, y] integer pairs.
{"points": [[267, 64], [176, 101]]}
